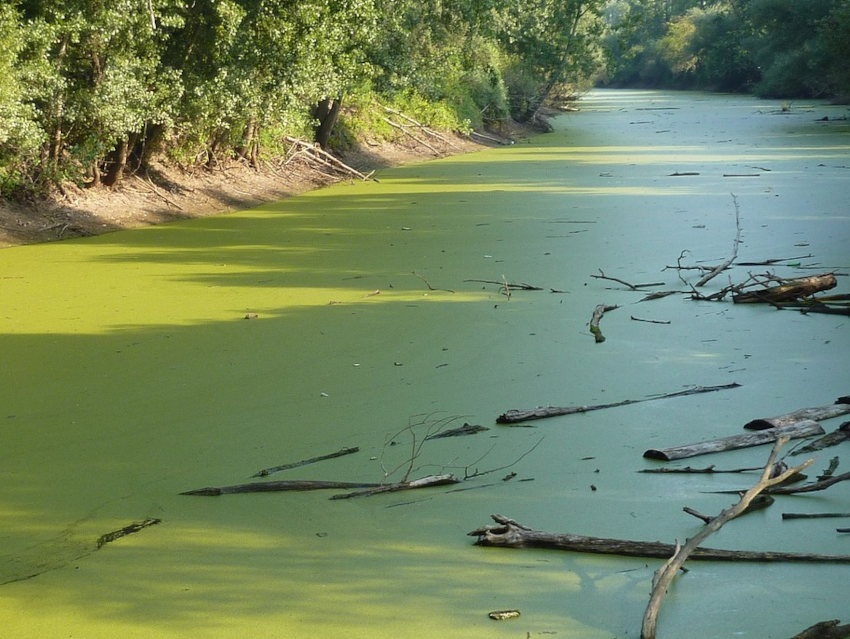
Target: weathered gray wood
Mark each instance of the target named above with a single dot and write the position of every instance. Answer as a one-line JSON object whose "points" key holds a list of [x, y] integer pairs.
{"points": [[510, 534], [805, 428], [818, 413], [541, 412]]}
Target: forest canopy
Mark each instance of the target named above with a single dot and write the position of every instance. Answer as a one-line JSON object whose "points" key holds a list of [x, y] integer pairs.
{"points": [[90, 90]]}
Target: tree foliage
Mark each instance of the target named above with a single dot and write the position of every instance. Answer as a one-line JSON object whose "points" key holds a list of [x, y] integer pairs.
{"points": [[91, 89]]}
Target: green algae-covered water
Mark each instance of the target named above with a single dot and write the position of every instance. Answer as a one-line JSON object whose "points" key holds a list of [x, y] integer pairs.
{"points": [[129, 374]]}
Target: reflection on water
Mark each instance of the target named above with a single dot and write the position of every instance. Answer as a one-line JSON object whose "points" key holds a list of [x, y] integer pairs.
{"points": [[130, 374]]}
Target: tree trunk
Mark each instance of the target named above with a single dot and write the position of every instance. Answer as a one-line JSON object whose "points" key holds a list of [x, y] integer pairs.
{"points": [[327, 113], [246, 146], [116, 161]]}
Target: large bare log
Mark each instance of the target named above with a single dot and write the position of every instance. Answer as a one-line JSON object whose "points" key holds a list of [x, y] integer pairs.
{"points": [[511, 534], [788, 290], [818, 413], [805, 428], [275, 486], [525, 414]]}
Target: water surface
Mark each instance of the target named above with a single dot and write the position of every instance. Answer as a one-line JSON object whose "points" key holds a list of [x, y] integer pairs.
{"points": [[129, 375]]}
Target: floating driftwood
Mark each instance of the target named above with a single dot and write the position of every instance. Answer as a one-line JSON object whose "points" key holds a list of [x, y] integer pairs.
{"points": [[276, 486], [541, 412], [830, 439], [825, 630], [510, 534], [805, 428], [424, 482], [135, 527], [707, 470], [717, 270], [813, 515], [276, 469], [819, 413], [598, 312], [460, 431], [788, 290]]}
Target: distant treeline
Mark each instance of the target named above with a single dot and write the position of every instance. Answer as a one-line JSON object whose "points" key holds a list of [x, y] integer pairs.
{"points": [[773, 48], [91, 89]]}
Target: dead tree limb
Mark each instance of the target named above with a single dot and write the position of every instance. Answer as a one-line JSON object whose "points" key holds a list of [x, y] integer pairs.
{"points": [[276, 486], [598, 312], [511, 534], [727, 263], [817, 414], [423, 128], [825, 630], [830, 439], [814, 515], [404, 130], [707, 470], [632, 287], [423, 482], [788, 290], [323, 157], [805, 428], [276, 469], [541, 412], [518, 287], [664, 576]]}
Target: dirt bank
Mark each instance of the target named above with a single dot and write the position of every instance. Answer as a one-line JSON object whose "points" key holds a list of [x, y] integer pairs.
{"points": [[168, 193]]}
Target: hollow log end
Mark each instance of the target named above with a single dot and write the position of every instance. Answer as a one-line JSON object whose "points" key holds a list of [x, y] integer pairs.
{"points": [[652, 453], [843, 400], [758, 424]]}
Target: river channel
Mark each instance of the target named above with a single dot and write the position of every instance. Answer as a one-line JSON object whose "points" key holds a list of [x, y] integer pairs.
{"points": [[130, 374]]}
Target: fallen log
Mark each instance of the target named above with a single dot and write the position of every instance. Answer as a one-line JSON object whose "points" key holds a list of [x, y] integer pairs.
{"points": [[276, 469], [818, 413], [598, 312], [424, 482], [519, 415], [787, 291], [511, 534], [805, 428], [276, 486]]}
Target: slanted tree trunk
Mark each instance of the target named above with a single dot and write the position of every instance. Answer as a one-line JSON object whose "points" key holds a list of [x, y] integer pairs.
{"points": [[327, 114], [245, 149]]}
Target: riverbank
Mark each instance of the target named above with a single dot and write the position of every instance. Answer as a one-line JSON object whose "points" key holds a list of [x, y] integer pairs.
{"points": [[168, 193]]}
